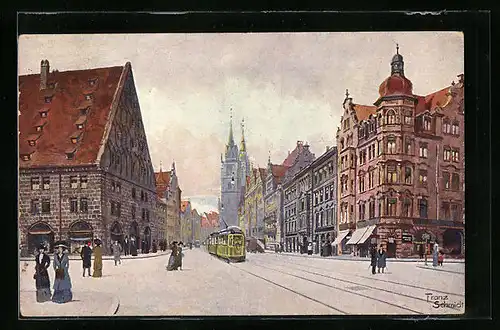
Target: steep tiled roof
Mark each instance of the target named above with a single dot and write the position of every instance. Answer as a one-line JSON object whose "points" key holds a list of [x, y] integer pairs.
{"points": [[364, 111], [441, 98], [162, 177], [290, 160], [278, 172], [63, 112]]}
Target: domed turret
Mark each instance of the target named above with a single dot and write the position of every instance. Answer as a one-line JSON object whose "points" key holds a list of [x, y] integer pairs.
{"points": [[397, 83]]}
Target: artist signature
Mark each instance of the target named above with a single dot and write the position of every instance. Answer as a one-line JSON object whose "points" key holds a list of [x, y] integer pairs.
{"points": [[442, 301]]}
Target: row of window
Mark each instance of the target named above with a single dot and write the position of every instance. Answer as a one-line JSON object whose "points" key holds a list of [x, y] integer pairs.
{"points": [[116, 211], [45, 205], [324, 173], [325, 218], [35, 182], [325, 194], [117, 187]]}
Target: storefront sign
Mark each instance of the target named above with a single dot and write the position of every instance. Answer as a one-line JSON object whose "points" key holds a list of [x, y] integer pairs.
{"points": [[407, 238]]}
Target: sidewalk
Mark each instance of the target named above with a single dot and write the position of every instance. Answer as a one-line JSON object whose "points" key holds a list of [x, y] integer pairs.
{"points": [[351, 258], [139, 256], [83, 304]]}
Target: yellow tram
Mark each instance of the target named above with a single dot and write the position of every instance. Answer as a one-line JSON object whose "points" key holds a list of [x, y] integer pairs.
{"points": [[228, 244]]}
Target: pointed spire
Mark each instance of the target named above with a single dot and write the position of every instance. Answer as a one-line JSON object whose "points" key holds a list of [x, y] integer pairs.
{"points": [[231, 138], [243, 144], [397, 48], [346, 93], [397, 63], [160, 166], [269, 157]]}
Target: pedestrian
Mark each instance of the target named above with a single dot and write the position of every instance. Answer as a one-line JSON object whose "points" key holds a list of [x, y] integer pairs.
{"points": [[117, 251], [133, 246], [381, 259], [180, 255], [435, 253], [62, 282], [310, 248], [85, 254], [97, 259], [155, 248], [41, 276], [373, 262], [126, 246], [143, 246], [173, 257], [440, 258]]}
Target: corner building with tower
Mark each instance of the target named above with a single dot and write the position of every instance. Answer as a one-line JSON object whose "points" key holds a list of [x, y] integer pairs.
{"points": [[401, 170]]}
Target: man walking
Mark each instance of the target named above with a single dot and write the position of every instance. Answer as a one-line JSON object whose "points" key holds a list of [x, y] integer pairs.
{"points": [[117, 250], [86, 254], [126, 247]]}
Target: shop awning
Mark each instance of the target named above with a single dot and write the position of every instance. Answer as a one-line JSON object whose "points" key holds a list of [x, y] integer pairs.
{"points": [[367, 234], [356, 236], [342, 234]]}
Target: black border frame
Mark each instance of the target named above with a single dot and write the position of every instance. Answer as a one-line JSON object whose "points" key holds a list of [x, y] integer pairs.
{"points": [[476, 27]]}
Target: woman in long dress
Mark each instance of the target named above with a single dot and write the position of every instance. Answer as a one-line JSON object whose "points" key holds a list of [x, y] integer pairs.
{"points": [[172, 261], [62, 282], [97, 260], [180, 255], [381, 259], [42, 280]]}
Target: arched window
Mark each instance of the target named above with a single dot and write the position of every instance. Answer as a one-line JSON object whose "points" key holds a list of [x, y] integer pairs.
{"points": [[391, 174], [408, 118], [391, 117], [408, 175], [391, 145], [406, 209], [427, 123], [455, 128], [422, 207]]}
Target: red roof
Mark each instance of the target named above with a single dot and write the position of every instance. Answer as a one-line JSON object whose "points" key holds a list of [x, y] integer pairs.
{"points": [[278, 172], [184, 205], [64, 113], [290, 160], [213, 218], [429, 102], [364, 111], [162, 182], [396, 85]]}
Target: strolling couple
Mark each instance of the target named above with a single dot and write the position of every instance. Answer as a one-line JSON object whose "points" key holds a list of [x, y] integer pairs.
{"points": [[378, 259], [175, 260]]}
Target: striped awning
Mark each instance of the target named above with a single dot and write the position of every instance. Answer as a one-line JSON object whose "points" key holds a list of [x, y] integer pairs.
{"points": [[342, 234], [356, 236], [367, 234]]}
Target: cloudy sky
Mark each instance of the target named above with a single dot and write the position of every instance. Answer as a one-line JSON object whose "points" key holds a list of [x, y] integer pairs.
{"points": [[287, 87]]}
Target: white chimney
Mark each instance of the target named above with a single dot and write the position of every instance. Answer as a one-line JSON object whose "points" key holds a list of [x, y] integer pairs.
{"points": [[44, 74]]}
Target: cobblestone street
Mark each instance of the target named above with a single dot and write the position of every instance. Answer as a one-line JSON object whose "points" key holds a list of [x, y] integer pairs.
{"points": [[266, 284]]}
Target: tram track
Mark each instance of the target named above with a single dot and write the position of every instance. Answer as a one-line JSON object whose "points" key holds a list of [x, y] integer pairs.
{"points": [[399, 294], [289, 289], [413, 311], [375, 279]]}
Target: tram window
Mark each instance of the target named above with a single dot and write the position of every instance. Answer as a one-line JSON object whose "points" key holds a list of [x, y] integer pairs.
{"points": [[237, 240]]}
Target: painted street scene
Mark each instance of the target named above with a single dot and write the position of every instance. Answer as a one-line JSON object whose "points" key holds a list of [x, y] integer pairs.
{"points": [[241, 174]]}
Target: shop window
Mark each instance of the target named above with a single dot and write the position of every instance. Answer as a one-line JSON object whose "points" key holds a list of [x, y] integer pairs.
{"points": [[422, 206], [446, 180], [46, 206], [35, 183], [73, 205]]}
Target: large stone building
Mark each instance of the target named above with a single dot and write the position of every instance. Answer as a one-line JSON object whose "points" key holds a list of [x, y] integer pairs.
{"points": [[234, 170], [254, 204], [401, 169], [273, 200], [296, 187], [324, 198], [84, 168], [168, 190]]}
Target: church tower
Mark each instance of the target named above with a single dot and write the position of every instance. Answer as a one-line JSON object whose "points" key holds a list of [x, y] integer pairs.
{"points": [[230, 185]]}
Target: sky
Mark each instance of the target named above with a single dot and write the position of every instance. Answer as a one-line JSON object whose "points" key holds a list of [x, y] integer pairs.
{"points": [[286, 86]]}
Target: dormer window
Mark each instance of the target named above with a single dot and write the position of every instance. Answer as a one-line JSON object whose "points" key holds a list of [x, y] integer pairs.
{"points": [[44, 112], [26, 157], [39, 126], [427, 123], [84, 111], [88, 97], [92, 81], [76, 137], [48, 99], [70, 153]]}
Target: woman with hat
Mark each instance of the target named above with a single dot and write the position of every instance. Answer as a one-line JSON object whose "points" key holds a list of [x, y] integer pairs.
{"points": [[62, 282], [42, 280], [97, 258], [172, 261]]}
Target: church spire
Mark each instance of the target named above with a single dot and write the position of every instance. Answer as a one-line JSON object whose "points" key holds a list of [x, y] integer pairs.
{"points": [[231, 138], [243, 144]]}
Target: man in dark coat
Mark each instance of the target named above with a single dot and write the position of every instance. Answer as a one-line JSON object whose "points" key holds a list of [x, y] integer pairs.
{"points": [[42, 280], [133, 246], [86, 254], [373, 255], [126, 246], [381, 259], [154, 248]]}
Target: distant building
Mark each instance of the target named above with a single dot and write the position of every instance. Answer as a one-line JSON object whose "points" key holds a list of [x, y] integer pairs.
{"points": [[401, 169], [234, 170], [186, 222], [273, 203], [167, 189], [254, 203], [84, 168], [196, 225]]}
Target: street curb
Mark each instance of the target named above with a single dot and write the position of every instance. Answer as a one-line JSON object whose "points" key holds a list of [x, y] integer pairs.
{"points": [[440, 270], [76, 257], [450, 261]]}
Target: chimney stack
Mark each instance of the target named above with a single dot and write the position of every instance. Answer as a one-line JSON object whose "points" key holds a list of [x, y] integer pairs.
{"points": [[44, 74]]}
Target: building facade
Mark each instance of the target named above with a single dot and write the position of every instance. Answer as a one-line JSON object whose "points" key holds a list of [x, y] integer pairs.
{"points": [[85, 170], [254, 204], [234, 169], [295, 191], [324, 198], [273, 200], [196, 225], [401, 169], [186, 222], [167, 189]]}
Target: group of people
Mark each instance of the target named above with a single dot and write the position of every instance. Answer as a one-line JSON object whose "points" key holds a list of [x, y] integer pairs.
{"points": [[378, 259], [175, 260]]}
